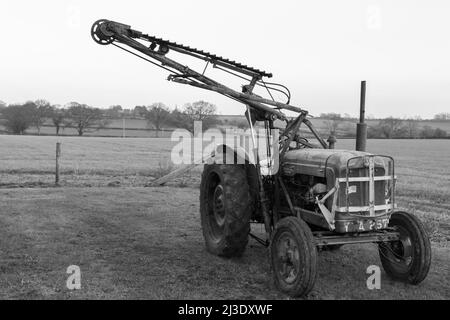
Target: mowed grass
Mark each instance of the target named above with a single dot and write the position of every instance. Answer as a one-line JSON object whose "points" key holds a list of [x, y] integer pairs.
{"points": [[146, 243], [82, 155], [140, 242]]}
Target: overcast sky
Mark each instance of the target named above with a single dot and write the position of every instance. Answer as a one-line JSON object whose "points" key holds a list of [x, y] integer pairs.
{"points": [[320, 49]]}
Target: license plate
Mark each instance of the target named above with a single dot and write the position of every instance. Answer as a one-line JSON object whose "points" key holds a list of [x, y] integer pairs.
{"points": [[362, 225]]}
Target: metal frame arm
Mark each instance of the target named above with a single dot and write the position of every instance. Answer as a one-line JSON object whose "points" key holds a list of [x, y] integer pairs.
{"points": [[107, 32]]}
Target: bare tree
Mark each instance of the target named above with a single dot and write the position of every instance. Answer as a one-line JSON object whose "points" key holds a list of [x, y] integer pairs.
{"points": [[439, 133], [85, 118], [333, 120], [200, 111], [179, 119], [58, 118], [442, 116], [157, 114], [391, 126], [140, 111], [412, 127], [41, 113], [427, 132], [114, 111], [18, 118]]}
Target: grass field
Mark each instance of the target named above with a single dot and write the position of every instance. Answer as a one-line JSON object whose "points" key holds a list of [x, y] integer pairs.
{"points": [[146, 243], [132, 241]]}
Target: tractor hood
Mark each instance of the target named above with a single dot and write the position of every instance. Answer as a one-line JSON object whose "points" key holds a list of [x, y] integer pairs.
{"points": [[315, 161]]}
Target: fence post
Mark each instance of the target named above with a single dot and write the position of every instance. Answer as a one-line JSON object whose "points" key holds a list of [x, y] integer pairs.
{"points": [[123, 127], [58, 154]]}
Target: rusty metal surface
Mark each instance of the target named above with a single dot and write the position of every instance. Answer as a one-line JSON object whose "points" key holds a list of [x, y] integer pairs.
{"points": [[207, 56], [361, 136], [314, 161], [361, 127]]}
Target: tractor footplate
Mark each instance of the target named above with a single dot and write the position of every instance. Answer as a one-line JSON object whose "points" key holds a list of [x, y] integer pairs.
{"points": [[331, 238]]}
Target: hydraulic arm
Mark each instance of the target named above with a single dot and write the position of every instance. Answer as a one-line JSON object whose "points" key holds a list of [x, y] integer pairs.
{"points": [[109, 32]]}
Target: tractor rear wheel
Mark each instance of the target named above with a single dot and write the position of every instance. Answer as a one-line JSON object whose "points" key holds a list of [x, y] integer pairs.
{"points": [[294, 257], [225, 209], [409, 258]]}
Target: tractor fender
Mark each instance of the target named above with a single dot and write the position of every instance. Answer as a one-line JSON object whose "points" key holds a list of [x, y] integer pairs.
{"points": [[227, 154]]}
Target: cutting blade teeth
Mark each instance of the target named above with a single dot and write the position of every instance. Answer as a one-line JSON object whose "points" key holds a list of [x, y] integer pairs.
{"points": [[206, 54]]}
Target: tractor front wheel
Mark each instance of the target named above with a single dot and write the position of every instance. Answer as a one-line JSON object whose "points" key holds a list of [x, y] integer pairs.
{"points": [[293, 257], [407, 259]]}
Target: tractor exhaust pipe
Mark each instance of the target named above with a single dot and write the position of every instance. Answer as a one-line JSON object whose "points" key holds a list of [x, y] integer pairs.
{"points": [[361, 127]]}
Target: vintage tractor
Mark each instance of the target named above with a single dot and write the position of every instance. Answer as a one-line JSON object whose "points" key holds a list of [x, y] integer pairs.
{"points": [[309, 196]]}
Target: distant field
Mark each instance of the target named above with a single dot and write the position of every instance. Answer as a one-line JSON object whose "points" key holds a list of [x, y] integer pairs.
{"points": [[28, 154], [85, 161], [139, 128]]}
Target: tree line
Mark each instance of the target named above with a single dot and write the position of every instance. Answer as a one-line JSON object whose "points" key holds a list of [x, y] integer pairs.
{"points": [[388, 128], [17, 118]]}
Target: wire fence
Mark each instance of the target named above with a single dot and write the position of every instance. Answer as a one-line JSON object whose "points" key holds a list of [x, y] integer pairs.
{"points": [[32, 160]]}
